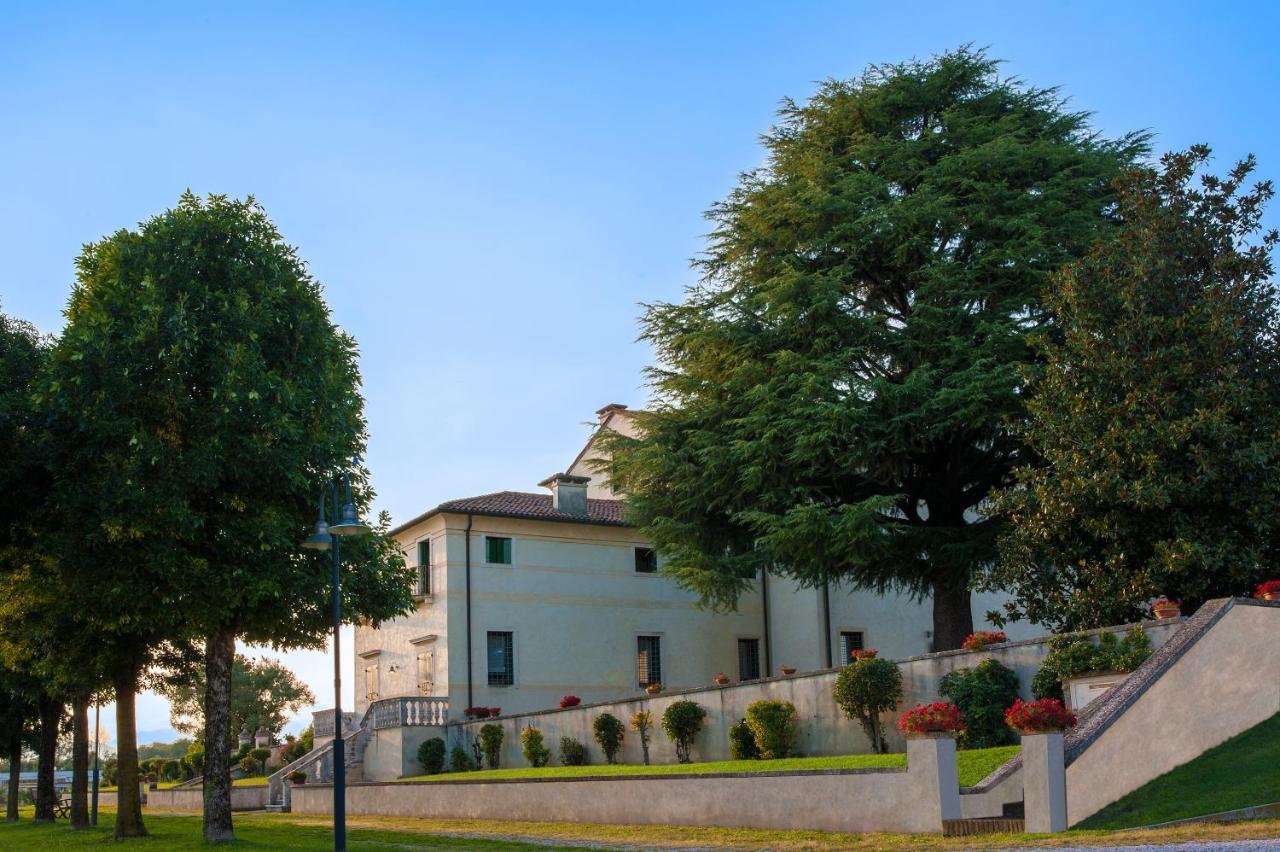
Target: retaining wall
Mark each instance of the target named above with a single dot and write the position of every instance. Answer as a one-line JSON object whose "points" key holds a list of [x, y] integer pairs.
{"points": [[192, 799]]}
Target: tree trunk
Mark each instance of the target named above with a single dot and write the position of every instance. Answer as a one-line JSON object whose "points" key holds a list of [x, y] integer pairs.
{"points": [[952, 615], [219, 654], [128, 801], [51, 712], [15, 776], [80, 762]]}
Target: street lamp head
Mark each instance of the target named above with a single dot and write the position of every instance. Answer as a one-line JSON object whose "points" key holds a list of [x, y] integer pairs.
{"points": [[349, 522], [321, 539]]}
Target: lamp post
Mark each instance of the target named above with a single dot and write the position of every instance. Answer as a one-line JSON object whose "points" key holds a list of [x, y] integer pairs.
{"points": [[93, 816], [326, 537]]}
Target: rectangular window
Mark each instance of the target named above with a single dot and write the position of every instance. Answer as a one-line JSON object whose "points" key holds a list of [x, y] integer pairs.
{"points": [[646, 560], [502, 658], [497, 551], [371, 682], [850, 641], [424, 567], [748, 659], [648, 660], [427, 673]]}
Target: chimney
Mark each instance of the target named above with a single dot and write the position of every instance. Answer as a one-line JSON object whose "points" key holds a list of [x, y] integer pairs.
{"points": [[603, 414], [568, 493]]}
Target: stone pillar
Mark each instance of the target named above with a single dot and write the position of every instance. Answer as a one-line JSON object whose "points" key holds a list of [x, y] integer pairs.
{"points": [[931, 762], [1044, 782]]}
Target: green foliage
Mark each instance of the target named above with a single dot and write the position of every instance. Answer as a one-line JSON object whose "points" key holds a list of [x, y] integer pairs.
{"points": [[983, 693], [531, 746], [1156, 422], [261, 754], [642, 724], [609, 732], [300, 746], [572, 752], [773, 726], [459, 760], [263, 695], [195, 757], [176, 749], [431, 756], [251, 765], [490, 742], [865, 689], [742, 743], [1073, 656], [682, 720], [242, 752], [852, 352]]}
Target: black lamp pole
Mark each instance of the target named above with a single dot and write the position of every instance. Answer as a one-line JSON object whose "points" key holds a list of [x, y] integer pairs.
{"points": [[93, 816]]}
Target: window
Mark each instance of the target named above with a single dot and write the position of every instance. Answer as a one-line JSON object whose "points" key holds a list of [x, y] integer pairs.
{"points": [[850, 641], [646, 560], [748, 659], [497, 551], [424, 567], [502, 662], [648, 660], [427, 673], [371, 682]]}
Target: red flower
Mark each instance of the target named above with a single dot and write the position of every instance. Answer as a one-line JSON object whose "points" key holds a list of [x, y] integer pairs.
{"points": [[1165, 602], [864, 654], [980, 639], [570, 701], [1270, 587], [937, 718], [1037, 717]]}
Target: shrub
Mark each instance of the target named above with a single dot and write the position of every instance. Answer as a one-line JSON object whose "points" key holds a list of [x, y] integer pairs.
{"points": [[609, 735], [982, 693], [195, 757], [1073, 655], [1037, 717], [490, 740], [251, 765], [459, 760], [572, 752], [262, 755], [742, 743], [173, 769], [569, 701], [682, 720], [431, 756], [937, 718], [866, 688], [642, 723], [297, 776], [532, 748], [773, 725], [980, 639]]}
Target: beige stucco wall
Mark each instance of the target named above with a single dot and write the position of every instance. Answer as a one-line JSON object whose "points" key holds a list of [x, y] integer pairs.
{"points": [[1223, 685], [192, 799]]}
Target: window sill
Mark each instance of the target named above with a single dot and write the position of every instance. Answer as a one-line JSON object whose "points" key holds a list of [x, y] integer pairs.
{"points": [[424, 598]]}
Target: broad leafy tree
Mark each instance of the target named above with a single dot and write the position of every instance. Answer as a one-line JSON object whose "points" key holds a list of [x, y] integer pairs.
{"points": [[207, 394], [1157, 420], [263, 694], [833, 399]]}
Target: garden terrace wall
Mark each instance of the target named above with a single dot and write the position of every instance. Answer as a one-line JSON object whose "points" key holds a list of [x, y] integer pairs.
{"points": [[822, 729], [192, 799]]}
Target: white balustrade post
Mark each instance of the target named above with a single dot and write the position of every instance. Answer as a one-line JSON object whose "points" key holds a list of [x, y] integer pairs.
{"points": [[1044, 782], [931, 763]]}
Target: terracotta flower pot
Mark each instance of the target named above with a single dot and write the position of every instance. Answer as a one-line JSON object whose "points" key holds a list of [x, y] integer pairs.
{"points": [[721, 680], [495, 712], [787, 671], [1270, 596], [1164, 612], [653, 688]]}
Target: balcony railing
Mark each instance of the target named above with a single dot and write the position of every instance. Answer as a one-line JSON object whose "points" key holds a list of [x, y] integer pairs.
{"points": [[408, 712]]}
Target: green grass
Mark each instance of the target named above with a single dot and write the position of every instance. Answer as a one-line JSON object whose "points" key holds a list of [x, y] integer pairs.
{"points": [[1239, 773], [254, 781], [973, 765], [253, 831]]}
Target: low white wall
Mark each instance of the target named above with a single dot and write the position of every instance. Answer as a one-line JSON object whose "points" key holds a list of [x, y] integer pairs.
{"points": [[823, 729], [891, 800], [192, 799]]}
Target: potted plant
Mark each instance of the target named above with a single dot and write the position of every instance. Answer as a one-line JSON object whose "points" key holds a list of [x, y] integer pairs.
{"points": [[1268, 591], [297, 776], [495, 712], [787, 671], [980, 640], [653, 688], [721, 679], [1046, 716], [940, 717], [864, 654], [476, 712], [569, 701], [1166, 609]]}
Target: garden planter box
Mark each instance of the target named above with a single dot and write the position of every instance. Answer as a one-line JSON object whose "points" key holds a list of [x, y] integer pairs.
{"points": [[1081, 691]]}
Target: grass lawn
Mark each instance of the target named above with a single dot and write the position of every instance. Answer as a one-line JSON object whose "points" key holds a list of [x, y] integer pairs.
{"points": [[1242, 772], [255, 781], [974, 765]]}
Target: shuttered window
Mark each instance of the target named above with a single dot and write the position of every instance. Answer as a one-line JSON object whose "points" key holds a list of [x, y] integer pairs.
{"points": [[371, 682], [427, 673], [424, 567], [748, 659], [648, 660], [502, 663], [850, 641], [497, 551]]}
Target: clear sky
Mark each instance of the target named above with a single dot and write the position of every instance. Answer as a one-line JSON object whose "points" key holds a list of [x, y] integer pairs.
{"points": [[487, 191]]}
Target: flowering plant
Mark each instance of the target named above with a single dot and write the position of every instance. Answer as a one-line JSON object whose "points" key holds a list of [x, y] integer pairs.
{"points": [[864, 654], [570, 701], [1159, 602], [1269, 590], [476, 712], [494, 712], [937, 718], [980, 639], [1038, 717]]}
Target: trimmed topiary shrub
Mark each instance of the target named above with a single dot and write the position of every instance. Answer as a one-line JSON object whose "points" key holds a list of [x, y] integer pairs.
{"points": [[609, 735], [773, 725], [682, 720], [866, 688], [572, 752], [742, 743], [431, 756], [983, 693], [532, 748], [490, 741], [250, 764], [459, 760]]}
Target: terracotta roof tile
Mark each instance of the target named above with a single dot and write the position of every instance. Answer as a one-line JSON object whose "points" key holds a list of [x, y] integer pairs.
{"points": [[518, 504]]}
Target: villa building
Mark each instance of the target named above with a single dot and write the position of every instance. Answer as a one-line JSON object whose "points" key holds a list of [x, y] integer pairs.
{"points": [[523, 598]]}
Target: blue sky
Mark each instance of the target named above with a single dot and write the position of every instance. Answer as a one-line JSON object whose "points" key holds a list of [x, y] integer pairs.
{"points": [[487, 193]]}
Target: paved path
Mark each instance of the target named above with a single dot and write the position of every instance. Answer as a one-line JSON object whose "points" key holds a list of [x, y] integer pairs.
{"points": [[1215, 846]]}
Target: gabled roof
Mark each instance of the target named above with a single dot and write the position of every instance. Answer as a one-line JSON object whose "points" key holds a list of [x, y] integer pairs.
{"points": [[519, 504]]}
